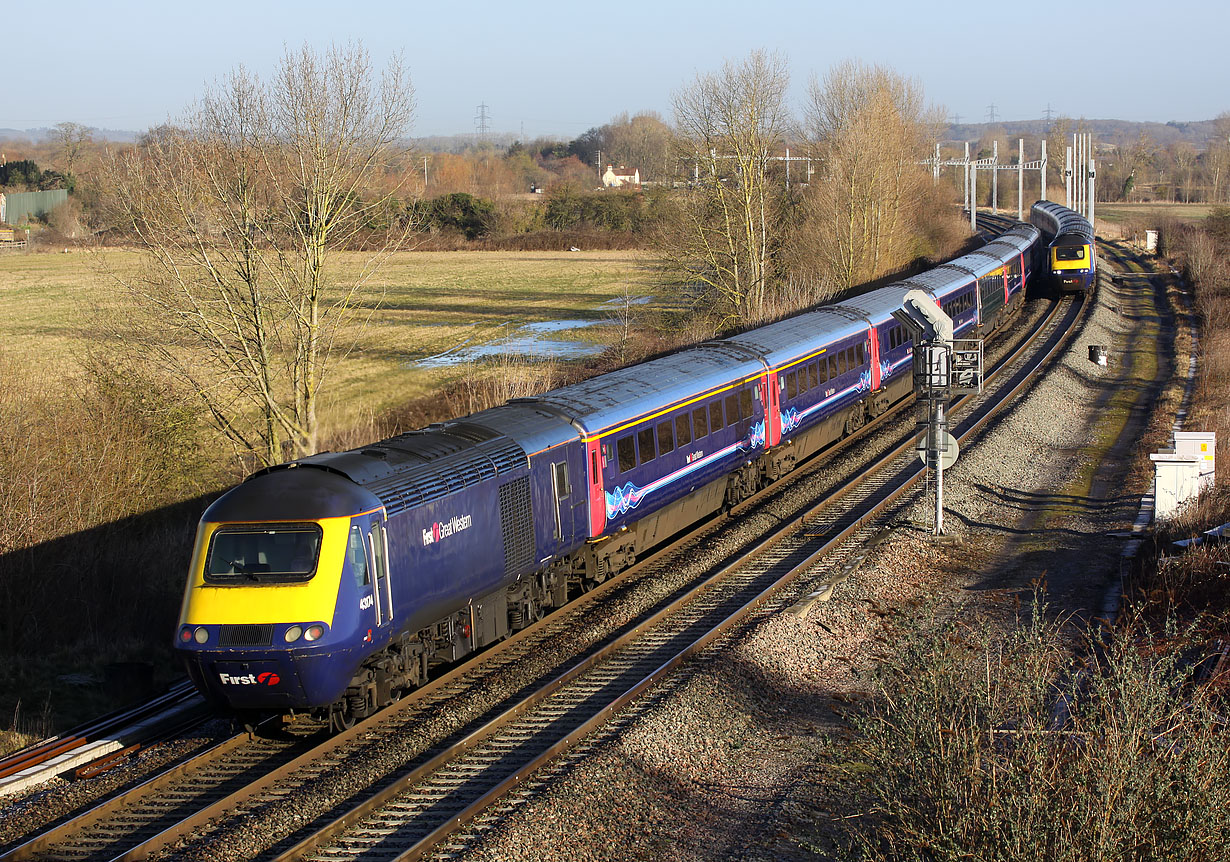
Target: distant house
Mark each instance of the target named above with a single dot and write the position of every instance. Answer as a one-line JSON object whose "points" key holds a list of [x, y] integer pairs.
{"points": [[614, 178]]}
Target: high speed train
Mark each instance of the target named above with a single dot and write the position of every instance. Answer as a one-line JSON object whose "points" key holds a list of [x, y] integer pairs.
{"points": [[332, 583], [1070, 261]]}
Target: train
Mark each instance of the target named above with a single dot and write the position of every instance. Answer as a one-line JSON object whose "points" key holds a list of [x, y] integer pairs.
{"points": [[1071, 252], [332, 584]]}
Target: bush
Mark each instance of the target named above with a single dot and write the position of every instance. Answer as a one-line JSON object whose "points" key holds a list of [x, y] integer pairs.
{"points": [[570, 208], [977, 748], [460, 213]]}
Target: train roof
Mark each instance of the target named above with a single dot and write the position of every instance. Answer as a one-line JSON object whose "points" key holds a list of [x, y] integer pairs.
{"points": [[1021, 237], [939, 282], [527, 423], [979, 263], [620, 396], [420, 466], [876, 306], [786, 340], [285, 494], [1055, 220]]}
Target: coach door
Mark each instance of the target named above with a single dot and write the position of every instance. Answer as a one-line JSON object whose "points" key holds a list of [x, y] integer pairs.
{"points": [[378, 548], [596, 494], [771, 398]]}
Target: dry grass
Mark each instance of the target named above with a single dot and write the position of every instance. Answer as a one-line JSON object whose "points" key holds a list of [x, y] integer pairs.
{"points": [[1120, 213], [420, 304], [977, 747]]}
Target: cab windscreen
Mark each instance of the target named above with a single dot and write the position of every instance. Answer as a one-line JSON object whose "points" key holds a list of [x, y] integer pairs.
{"points": [[285, 553]]}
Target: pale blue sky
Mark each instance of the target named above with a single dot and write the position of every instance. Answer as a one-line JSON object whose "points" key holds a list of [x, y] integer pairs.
{"points": [[559, 68]]}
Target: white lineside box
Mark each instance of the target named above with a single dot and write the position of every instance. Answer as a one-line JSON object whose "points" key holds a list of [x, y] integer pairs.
{"points": [[1202, 445], [1175, 482]]}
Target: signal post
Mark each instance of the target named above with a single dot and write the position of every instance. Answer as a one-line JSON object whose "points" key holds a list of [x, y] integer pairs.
{"points": [[943, 367]]}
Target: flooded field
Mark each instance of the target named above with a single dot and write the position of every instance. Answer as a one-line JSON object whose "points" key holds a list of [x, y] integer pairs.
{"points": [[535, 340]]}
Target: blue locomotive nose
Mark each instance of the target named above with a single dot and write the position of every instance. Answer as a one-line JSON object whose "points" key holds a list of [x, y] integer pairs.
{"points": [[250, 683]]}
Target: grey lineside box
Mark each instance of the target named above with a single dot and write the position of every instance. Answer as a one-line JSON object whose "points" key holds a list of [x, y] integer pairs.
{"points": [[1181, 473]]}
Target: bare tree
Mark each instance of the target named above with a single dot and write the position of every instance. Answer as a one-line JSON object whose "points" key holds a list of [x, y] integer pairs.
{"points": [[239, 210], [730, 124], [868, 127], [642, 141], [1184, 156], [72, 138], [1217, 158]]}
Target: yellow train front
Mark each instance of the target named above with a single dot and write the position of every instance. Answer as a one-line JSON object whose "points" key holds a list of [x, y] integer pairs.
{"points": [[278, 612], [1069, 246]]}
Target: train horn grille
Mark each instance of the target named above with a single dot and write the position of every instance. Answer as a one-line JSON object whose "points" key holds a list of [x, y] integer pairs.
{"points": [[247, 635]]}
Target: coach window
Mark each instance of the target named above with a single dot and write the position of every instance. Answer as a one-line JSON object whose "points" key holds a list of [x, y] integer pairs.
{"points": [[666, 436], [716, 423], [683, 429], [700, 422], [861, 352], [644, 442], [732, 410], [627, 453], [832, 365], [841, 363], [745, 404], [358, 558], [792, 385], [812, 380]]}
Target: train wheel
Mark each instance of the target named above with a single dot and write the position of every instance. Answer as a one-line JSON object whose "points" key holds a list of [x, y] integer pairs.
{"points": [[340, 718]]}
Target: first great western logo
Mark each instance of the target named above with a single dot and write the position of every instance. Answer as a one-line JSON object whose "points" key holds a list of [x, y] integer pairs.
{"points": [[443, 529]]}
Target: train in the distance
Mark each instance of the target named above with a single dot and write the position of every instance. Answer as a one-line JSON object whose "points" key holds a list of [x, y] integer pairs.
{"points": [[332, 583], [1071, 253]]}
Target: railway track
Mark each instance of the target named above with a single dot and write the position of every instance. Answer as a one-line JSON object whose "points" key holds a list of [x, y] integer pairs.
{"points": [[429, 784], [416, 815], [476, 749], [93, 747]]}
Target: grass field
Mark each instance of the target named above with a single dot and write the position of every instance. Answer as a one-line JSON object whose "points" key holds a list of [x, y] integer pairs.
{"points": [[1119, 214], [419, 304]]}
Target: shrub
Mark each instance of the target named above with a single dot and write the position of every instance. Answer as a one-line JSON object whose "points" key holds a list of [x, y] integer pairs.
{"points": [[1008, 749], [460, 213]]}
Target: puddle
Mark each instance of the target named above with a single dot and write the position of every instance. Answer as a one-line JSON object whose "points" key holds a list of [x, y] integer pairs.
{"points": [[530, 340], [619, 301], [558, 325], [534, 340]]}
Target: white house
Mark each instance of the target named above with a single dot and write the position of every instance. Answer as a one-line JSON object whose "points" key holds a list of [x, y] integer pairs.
{"points": [[613, 178]]}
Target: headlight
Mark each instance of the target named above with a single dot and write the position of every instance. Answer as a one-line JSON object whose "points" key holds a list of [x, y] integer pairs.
{"points": [[293, 633], [315, 632], [201, 635], [185, 634]]}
